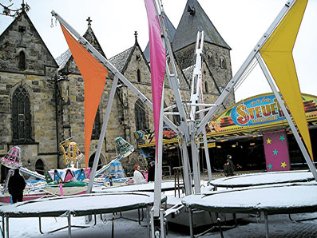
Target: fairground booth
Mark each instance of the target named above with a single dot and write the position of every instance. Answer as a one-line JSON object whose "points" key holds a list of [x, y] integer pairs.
{"points": [[253, 131]]}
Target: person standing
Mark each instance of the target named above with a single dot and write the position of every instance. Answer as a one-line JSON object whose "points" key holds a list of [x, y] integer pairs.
{"points": [[137, 175], [16, 186], [151, 172], [229, 167]]}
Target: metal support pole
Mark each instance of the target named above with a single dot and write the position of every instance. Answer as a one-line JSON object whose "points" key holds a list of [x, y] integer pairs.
{"points": [[266, 224], [162, 223], [152, 224], [207, 158], [219, 226], [191, 228], [186, 168], [112, 226], [148, 220], [158, 163], [300, 143], [3, 227], [69, 225], [195, 161], [40, 225], [7, 226], [102, 134]]}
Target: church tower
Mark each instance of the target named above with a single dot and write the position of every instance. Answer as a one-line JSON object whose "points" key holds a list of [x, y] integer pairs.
{"points": [[217, 70]]}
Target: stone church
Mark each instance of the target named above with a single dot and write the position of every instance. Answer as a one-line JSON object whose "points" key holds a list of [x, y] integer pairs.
{"points": [[41, 98]]}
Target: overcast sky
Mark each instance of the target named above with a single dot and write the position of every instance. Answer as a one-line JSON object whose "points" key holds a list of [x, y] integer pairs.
{"points": [[240, 22]]}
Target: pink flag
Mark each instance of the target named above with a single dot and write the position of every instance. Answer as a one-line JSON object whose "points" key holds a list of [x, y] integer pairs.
{"points": [[157, 61]]}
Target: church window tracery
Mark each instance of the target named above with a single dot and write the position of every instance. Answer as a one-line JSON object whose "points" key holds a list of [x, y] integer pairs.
{"points": [[21, 116], [141, 122]]}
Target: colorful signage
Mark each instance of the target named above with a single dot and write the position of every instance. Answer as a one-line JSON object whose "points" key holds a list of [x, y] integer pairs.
{"points": [[259, 111]]}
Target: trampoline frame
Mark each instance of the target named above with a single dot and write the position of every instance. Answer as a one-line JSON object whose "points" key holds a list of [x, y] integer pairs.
{"points": [[6, 214]]}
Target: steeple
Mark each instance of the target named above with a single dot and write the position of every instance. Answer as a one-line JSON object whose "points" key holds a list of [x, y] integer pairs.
{"points": [[191, 7], [89, 21], [136, 36], [91, 37], [66, 62], [23, 6], [195, 19]]}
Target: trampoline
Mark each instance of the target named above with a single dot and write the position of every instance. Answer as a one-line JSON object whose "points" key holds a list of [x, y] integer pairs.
{"points": [[79, 205], [265, 178], [146, 187], [266, 200]]}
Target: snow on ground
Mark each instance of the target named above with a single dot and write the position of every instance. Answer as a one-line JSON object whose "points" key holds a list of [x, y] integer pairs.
{"points": [[263, 178], [280, 226]]}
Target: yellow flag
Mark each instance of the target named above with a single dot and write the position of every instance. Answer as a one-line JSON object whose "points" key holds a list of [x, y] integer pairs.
{"points": [[277, 54]]}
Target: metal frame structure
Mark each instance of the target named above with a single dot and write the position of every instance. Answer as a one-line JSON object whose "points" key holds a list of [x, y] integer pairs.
{"points": [[117, 76], [103, 203], [191, 132], [248, 202], [252, 56], [188, 131]]}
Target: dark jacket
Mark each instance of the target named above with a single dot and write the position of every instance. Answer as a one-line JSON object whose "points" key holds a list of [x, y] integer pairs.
{"points": [[229, 168], [151, 173], [16, 184]]}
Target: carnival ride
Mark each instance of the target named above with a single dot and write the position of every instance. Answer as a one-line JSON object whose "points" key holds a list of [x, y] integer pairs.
{"points": [[188, 131], [114, 168], [70, 180]]}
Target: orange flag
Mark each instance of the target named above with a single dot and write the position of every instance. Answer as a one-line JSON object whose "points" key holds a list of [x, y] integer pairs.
{"points": [[94, 75]]}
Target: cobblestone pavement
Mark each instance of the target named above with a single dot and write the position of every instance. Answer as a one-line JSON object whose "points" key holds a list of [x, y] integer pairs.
{"points": [[280, 226]]}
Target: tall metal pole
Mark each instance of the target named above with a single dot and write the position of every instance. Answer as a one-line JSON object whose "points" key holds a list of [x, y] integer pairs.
{"points": [[196, 87], [173, 78], [102, 134], [158, 165], [186, 167]]}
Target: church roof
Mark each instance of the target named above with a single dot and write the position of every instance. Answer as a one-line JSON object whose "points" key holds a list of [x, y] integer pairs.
{"points": [[170, 33], [30, 40], [92, 39], [120, 60], [65, 59], [195, 19]]}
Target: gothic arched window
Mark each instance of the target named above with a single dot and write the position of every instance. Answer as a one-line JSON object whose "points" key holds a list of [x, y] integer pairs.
{"points": [[22, 63], [21, 116], [206, 87], [140, 116], [39, 166], [211, 59], [223, 63], [138, 74], [96, 129]]}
